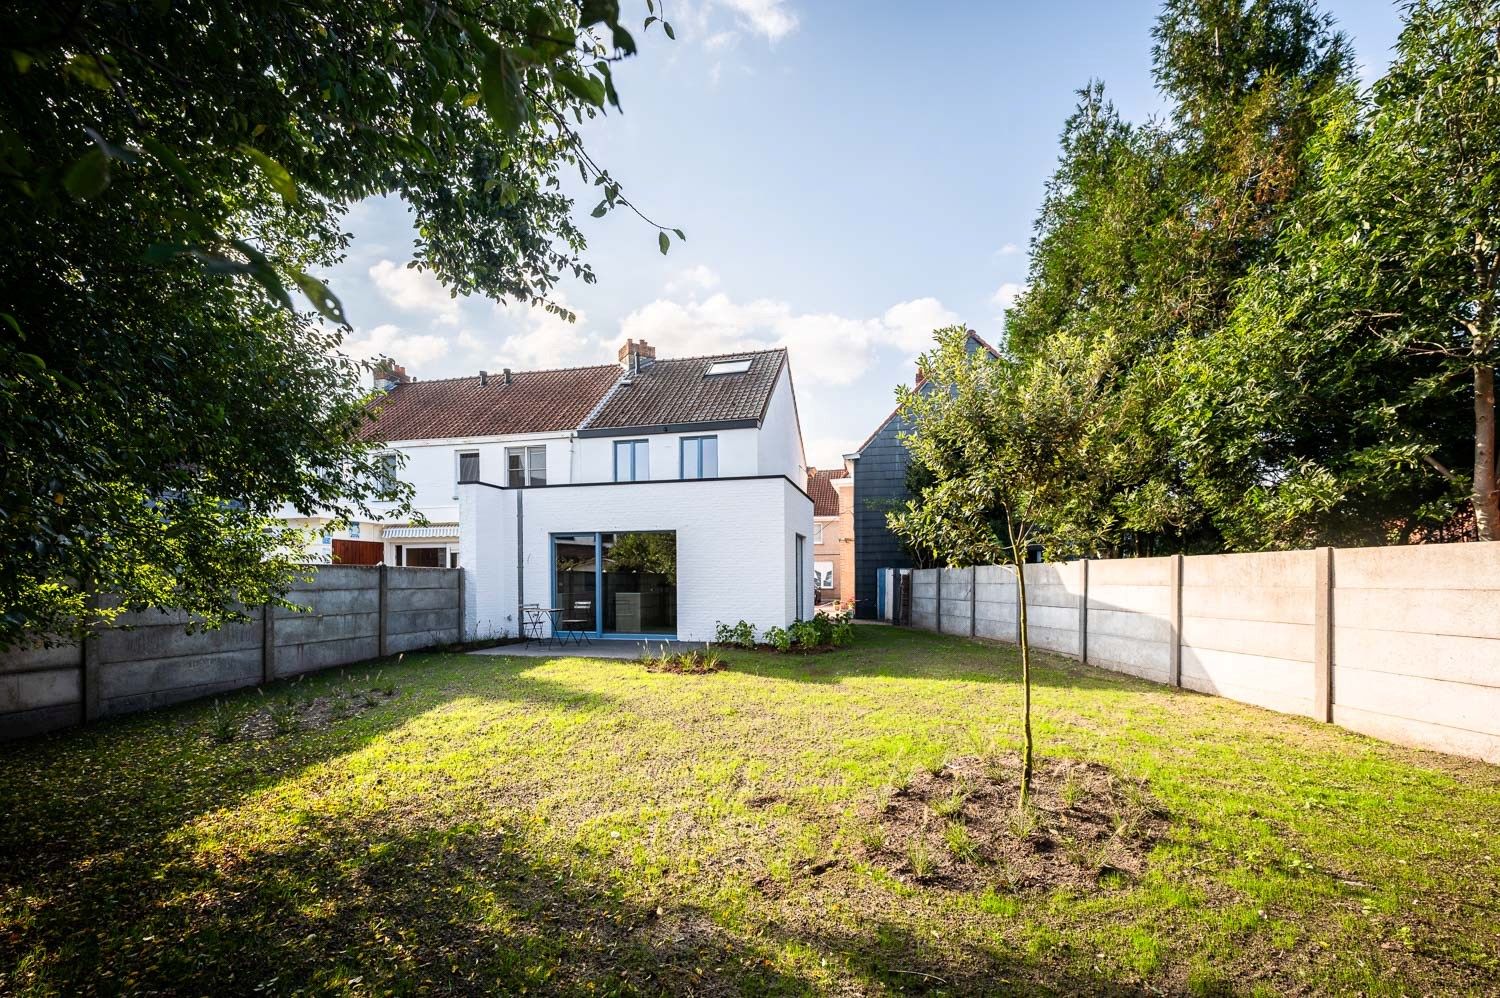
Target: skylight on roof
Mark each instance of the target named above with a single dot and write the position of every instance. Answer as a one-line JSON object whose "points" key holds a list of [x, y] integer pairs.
{"points": [[727, 367]]}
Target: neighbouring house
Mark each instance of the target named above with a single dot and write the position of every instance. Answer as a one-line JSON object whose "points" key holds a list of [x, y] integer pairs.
{"points": [[833, 533], [878, 472], [645, 499], [508, 425]]}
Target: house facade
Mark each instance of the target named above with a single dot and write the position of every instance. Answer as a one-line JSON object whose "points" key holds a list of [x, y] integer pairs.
{"points": [[682, 507], [645, 499], [833, 533]]}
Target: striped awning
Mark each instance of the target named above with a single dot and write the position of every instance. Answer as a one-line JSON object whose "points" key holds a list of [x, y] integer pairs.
{"points": [[433, 530]]}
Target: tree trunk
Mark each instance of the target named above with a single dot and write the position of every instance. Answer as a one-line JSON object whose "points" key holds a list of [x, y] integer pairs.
{"points": [[1486, 494], [1018, 558]]}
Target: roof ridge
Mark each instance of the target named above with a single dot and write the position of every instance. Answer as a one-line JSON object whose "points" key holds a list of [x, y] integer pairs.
{"points": [[501, 373], [715, 356], [609, 393]]}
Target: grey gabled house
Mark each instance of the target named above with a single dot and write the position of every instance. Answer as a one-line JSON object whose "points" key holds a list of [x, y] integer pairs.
{"points": [[878, 467]]}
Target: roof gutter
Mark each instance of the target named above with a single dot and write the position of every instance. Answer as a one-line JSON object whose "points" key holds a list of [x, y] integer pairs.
{"points": [[636, 431]]}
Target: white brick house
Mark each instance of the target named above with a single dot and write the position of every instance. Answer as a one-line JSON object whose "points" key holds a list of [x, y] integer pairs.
{"points": [[648, 499]]}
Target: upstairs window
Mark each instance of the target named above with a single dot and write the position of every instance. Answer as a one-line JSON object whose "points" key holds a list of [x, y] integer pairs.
{"points": [[525, 466], [468, 468], [390, 468], [632, 461], [727, 367], [700, 457]]}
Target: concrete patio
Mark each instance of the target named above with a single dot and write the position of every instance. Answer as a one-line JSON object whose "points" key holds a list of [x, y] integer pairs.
{"points": [[628, 650]]}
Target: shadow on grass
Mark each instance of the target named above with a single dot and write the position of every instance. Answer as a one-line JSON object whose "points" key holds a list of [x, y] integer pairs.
{"points": [[902, 653], [417, 907], [88, 811]]}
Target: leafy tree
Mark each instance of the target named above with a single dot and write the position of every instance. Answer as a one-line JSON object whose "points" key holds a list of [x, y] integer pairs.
{"points": [[1016, 448], [1148, 230], [1402, 258], [169, 170]]}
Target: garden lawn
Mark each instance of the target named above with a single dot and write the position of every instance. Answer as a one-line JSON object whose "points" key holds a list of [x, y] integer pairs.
{"points": [[462, 823]]}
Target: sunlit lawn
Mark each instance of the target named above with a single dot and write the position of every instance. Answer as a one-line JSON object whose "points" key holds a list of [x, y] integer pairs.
{"points": [[577, 825]]}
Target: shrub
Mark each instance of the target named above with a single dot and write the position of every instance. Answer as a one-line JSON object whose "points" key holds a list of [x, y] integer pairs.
{"points": [[811, 633], [780, 638], [696, 662], [740, 635]]}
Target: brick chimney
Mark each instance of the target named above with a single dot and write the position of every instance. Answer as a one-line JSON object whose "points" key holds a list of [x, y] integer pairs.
{"points": [[634, 356], [389, 374]]}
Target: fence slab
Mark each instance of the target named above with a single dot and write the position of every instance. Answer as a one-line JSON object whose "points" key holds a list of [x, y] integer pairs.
{"points": [[155, 661], [1402, 643]]}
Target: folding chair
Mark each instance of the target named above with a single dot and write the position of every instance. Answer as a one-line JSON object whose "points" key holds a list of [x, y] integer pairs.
{"points": [[531, 623], [579, 622]]}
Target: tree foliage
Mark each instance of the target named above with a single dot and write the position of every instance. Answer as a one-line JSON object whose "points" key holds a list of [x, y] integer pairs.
{"points": [[1015, 447], [174, 175], [1295, 281]]}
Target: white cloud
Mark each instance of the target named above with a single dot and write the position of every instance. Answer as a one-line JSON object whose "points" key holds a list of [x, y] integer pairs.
{"points": [[769, 18], [828, 452], [696, 278], [721, 40], [825, 348], [1009, 249], [541, 340], [414, 291], [1005, 296], [912, 323], [411, 350]]}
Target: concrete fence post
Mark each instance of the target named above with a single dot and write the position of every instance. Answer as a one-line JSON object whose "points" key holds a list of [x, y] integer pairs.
{"points": [[937, 584], [383, 614], [268, 643], [89, 663], [1174, 609], [1083, 610], [461, 594], [1323, 634], [973, 597]]}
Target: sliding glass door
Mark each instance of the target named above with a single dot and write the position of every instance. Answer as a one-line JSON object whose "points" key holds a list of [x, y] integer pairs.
{"points": [[628, 581], [576, 575]]}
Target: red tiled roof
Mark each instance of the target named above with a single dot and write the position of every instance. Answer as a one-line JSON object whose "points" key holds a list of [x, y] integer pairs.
{"points": [[533, 402], [820, 487]]}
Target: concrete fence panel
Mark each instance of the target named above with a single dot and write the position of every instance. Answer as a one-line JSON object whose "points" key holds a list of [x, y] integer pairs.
{"points": [[924, 598], [956, 614], [1401, 643], [348, 613], [1129, 619], [1416, 645], [995, 603], [1247, 628]]}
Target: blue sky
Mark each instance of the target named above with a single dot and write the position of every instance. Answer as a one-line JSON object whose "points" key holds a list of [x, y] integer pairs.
{"points": [[849, 177]]}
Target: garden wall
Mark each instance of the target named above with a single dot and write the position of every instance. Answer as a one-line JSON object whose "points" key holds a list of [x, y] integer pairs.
{"points": [[1402, 643], [353, 613]]}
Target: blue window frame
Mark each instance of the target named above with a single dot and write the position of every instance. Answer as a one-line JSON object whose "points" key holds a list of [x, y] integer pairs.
{"points": [[626, 582], [700, 458], [632, 461]]}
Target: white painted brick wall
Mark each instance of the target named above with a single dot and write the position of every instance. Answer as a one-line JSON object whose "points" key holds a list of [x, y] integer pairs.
{"points": [[735, 546]]}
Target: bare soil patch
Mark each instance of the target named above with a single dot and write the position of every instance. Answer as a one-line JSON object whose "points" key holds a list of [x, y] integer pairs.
{"points": [[961, 828], [280, 717]]}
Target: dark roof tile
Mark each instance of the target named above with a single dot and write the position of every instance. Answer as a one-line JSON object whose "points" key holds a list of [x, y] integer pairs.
{"points": [[679, 390]]}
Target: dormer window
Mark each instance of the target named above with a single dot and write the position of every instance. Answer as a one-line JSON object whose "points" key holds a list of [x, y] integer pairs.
{"points": [[727, 367]]}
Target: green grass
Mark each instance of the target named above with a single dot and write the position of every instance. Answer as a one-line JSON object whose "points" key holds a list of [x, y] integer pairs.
{"points": [[582, 826]]}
